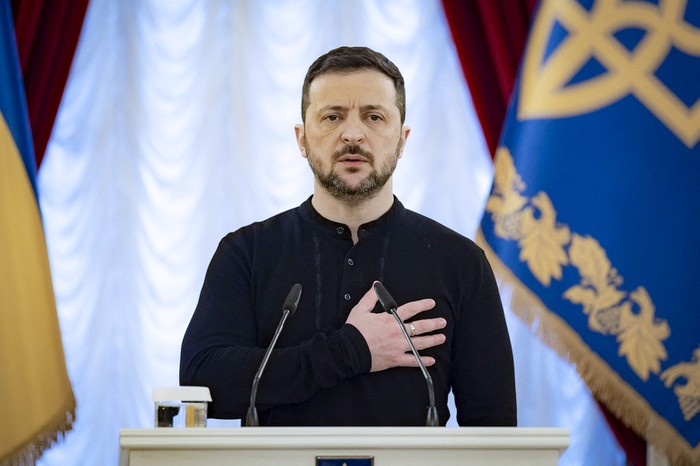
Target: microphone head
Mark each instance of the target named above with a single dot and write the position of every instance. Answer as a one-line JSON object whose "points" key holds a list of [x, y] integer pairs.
{"points": [[384, 297], [292, 301]]}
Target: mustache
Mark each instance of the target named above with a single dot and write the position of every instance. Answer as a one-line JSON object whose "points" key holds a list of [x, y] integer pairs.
{"points": [[352, 149]]}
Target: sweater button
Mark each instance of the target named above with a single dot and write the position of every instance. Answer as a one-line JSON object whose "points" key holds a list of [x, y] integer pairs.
{"points": [[340, 230], [347, 297], [351, 262]]}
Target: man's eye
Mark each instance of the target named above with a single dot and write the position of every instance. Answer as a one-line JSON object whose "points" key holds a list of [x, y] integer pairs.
{"points": [[332, 117], [375, 117]]}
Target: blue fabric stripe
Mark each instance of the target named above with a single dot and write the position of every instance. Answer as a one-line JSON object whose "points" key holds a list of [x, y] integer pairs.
{"points": [[13, 103]]}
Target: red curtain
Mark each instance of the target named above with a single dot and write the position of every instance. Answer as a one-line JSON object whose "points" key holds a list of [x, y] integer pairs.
{"points": [[490, 36], [47, 34]]}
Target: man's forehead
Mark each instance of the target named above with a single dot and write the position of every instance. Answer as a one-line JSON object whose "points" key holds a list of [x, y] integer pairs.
{"points": [[365, 87]]}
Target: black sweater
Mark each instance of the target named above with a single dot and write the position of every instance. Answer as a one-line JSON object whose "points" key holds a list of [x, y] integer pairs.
{"points": [[319, 373]]}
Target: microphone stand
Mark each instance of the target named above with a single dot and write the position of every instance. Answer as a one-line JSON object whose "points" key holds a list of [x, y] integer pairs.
{"points": [[290, 306], [389, 306]]}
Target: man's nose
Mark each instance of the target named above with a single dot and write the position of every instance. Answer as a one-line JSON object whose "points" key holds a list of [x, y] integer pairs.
{"points": [[353, 131]]}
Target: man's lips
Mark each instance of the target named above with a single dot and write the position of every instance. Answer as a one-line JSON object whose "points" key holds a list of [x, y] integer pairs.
{"points": [[352, 158]]}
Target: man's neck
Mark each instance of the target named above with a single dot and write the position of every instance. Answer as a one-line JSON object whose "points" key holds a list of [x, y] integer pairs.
{"points": [[352, 215]]}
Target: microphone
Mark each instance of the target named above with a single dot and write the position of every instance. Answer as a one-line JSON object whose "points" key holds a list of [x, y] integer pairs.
{"points": [[289, 307], [390, 306]]}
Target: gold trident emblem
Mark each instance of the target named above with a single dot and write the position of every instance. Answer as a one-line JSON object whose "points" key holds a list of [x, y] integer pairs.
{"points": [[546, 91]]}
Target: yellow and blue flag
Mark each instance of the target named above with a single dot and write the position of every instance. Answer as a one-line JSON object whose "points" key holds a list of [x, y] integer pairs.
{"points": [[594, 213], [36, 394]]}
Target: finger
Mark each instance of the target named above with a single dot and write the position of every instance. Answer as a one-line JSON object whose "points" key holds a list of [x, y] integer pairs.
{"points": [[408, 310], [428, 341], [368, 301], [409, 360], [426, 326]]}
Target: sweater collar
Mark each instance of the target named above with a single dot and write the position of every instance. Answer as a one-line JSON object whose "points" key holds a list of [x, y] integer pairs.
{"points": [[330, 227]]}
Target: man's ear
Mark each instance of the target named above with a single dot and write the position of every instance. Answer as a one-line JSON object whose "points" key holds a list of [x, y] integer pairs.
{"points": [[301, 139], [405, 131]]}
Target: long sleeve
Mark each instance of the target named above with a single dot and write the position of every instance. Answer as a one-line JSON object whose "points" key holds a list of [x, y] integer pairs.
{"points": [[226, 340], [483, 378]]}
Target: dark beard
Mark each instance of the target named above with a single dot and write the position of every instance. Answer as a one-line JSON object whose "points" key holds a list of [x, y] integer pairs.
{"points": [[367, 189]]}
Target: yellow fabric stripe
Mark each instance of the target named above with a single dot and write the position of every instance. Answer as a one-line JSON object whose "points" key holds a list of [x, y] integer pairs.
{"points": [[37, 398]]}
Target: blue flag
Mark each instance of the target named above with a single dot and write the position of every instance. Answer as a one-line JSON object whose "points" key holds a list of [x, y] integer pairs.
{"points": [[594, 212]]}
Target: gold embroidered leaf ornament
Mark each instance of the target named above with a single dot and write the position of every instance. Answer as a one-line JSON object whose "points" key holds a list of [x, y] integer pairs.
{"points": [[689, 393], [542, 241], [505, 202], [598, 290], [641, 335]]}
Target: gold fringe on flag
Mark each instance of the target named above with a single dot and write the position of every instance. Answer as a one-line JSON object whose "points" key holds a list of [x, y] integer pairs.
{"points": [[621, 399]]}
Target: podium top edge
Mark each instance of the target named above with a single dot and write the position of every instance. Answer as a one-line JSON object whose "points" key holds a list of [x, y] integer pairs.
{"points": [[380, 437]]}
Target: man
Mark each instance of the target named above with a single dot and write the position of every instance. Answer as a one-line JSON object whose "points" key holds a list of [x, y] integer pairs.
{"points": [[340, 360]]}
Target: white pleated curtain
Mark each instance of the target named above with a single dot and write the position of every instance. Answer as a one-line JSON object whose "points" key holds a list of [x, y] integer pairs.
{"points": [[176, 127]]}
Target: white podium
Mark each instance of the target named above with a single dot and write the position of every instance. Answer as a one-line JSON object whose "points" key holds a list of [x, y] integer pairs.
{"points": [[385, 446]]}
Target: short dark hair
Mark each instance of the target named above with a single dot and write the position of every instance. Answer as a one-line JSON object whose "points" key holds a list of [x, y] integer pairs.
{"points": [[347, 60]]}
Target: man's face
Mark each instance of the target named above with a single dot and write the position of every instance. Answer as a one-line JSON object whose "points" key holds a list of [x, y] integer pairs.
{"points": [[353, 136]]}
